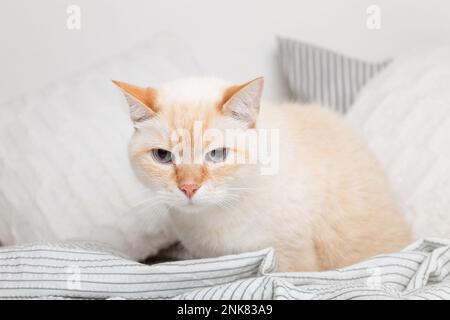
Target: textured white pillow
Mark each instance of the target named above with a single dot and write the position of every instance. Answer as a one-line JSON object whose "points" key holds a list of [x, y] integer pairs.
{"points": [[405, 115], [64, 171]]}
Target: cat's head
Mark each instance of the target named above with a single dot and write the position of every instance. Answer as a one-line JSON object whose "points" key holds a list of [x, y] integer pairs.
{"points": [[184, 146]]}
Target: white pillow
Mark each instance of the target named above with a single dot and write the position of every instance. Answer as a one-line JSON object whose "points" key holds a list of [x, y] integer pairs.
{"points": [[63, 157], [405, 115]]}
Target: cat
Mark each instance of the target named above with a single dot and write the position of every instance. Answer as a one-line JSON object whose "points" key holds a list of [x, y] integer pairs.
{"points": [[323, 203]]}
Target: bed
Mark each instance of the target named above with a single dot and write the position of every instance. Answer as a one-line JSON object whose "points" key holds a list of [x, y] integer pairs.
{"points": [[88, 192], [74, 270]]}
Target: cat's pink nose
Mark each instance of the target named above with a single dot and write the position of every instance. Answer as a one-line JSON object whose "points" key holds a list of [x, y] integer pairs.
{"points": [[189, 189]]}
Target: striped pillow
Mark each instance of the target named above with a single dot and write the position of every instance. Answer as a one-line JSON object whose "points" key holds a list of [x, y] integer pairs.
{"points": [[315, 74]]}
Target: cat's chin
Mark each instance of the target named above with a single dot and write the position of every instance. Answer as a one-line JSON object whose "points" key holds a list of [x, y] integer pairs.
{"points": [[190, 207]]}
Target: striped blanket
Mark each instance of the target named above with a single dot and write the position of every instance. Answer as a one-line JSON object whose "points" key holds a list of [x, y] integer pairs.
{"points": [[88, 271]]}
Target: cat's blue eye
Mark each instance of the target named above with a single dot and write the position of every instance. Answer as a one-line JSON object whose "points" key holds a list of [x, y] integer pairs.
{"points": [[162, 156], [217, 155]]}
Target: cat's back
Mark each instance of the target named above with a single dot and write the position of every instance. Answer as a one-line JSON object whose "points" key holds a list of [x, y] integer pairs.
{"points": [[307, 122], [315, 135], [340, 163], [347, 188]]}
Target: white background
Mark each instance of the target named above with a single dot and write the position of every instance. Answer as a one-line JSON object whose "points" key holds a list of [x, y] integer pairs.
{"points": [[233, 39]]}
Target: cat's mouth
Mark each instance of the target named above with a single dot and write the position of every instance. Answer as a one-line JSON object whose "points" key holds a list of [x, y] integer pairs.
{"points": [[190, 203], [189, 207], [190, 196], [202, 199], [184, 202]]}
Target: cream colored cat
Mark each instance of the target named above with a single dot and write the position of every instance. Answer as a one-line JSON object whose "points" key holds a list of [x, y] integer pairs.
{"points": [[322, 202]]}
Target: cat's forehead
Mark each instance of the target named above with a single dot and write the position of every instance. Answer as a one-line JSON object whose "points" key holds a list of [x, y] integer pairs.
{"points": [[185, 102], [192, 91]]}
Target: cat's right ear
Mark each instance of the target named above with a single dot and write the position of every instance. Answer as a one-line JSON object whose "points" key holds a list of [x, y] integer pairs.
{"points": [[142, 101]]}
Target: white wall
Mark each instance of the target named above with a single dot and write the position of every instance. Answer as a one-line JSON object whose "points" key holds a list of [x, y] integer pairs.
{"points": [[230, 38]]}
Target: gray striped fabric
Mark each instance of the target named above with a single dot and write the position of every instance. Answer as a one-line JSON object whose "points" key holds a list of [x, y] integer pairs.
{"points": [[318, 75], [85, 271]]}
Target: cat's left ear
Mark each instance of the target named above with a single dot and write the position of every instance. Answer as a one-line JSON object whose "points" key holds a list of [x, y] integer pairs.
{"points": [[142, 101], [243, 102]]}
